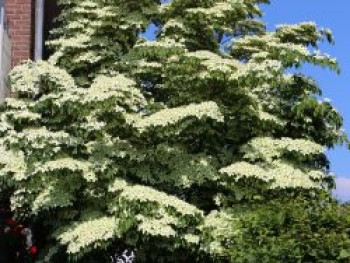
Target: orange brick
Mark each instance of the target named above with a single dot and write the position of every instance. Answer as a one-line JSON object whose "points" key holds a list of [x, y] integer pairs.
{"points": [[21, 21]]}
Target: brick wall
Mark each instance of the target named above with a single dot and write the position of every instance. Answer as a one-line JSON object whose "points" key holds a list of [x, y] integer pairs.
{"points": [[21, 23]]}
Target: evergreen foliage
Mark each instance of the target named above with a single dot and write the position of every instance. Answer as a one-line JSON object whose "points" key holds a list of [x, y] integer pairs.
{"points": [[120, 142]]}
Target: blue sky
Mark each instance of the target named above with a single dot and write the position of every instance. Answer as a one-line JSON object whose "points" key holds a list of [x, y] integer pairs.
{"points": [[334, 15]]}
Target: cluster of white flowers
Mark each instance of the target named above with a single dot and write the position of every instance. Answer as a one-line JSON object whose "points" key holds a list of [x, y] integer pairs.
{"points": [[22, 115], [294, 27], [105, 12], [40, 138], [302, 31], [287, 176], [305, 32], [268, 149], [253, 44], [214, 62], [4, 124], [270, 65], [171, 24], [267, 117], [218, 224], [144, 194], [172, 116], [26, 78], [158, 226], [33, 134], [269, 45], [260, 56], [219, 10], [203, 55], [76, 25], [16, 104], [92, 124], [118, 87], [264, 70], [288, 47], [243, 169], [69, 164], [88, 233], [12, 163], [85, 7], [60, 99], [268, 152], [79, 41], [279, 174], [166, 43], [117, 186], [89, 56], [192, 239], [153, 65], [18, 198]]}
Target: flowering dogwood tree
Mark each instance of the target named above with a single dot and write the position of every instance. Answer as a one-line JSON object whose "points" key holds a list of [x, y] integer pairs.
{"points": [[121, 142]]}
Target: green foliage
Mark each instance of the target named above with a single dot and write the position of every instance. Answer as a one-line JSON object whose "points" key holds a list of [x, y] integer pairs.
{"points": [[120, 142], [292, 231]]}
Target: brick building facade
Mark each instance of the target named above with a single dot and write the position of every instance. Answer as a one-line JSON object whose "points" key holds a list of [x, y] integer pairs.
{"points": [[21, 19], [21, 16]]}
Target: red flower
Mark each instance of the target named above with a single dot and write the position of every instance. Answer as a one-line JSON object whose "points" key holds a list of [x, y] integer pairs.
{"points": [[33, 250], [10, 222], [18, 229]]}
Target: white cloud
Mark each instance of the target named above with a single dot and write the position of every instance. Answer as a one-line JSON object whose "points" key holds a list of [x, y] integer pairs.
{"points": [[342, 192]]}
